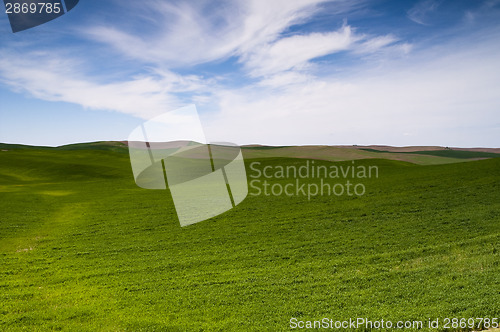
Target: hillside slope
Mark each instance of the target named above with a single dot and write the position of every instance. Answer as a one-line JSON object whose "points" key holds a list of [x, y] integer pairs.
{"points": [[82, 248]]}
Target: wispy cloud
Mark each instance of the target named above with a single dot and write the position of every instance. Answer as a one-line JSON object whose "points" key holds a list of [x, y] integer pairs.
{"points": [[296, 51], [422, 9], [56, 79], [488, 10], [442, 98], [180, 35], [375, 44], [188, 33]]}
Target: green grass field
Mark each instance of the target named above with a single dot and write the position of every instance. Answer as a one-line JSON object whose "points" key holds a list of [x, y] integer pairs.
{"points": [[82, 248]]}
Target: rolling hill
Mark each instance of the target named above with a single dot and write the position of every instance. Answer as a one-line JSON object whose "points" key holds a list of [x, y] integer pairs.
{"points": [[82, 248]]}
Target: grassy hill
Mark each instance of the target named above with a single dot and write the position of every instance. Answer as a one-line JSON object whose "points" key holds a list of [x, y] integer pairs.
{"points": [[416, 155], [82, 248], [104, 145]]}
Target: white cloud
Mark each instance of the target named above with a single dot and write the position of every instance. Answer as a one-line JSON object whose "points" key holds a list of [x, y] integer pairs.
{"points": [[296, 51]]}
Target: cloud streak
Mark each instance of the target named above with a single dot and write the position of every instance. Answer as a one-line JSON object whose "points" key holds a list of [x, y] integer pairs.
{"points": [[422, 9], [296, 51], [186, 34], [253, 31], [56, 79]]}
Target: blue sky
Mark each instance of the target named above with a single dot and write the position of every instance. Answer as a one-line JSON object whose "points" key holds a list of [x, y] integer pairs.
{"points": [[272, 72]]}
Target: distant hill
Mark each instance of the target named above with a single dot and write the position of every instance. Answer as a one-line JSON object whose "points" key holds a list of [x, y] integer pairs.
{"points": [[102, 145], [423, 155]]}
